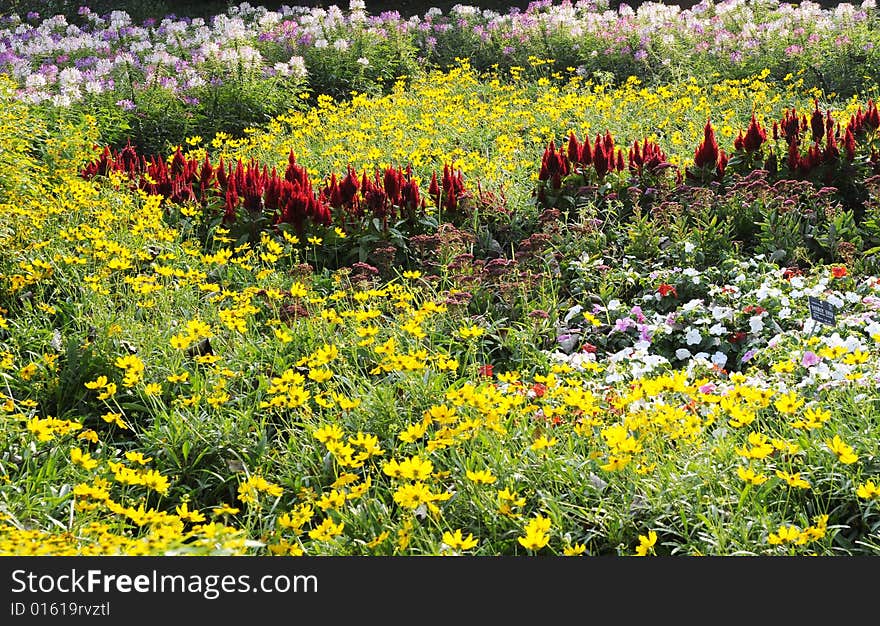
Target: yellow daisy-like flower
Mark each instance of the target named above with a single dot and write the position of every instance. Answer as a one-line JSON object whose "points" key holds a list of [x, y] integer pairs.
{"points": [[84, 459], [788, 403], [186, 515], [470, 332], [224, 509], [481, 477], [326, 530], [785, 534], [841, 450], [748, 475], [137, 457], [868, 491], [457, 541], [574, 550], [115, 418], [794, 480], [537, 533], [646, 544], [543, 442]]}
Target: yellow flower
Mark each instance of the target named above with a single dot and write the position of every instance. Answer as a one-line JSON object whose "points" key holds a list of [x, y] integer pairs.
{"points": [[98, 383], [109, 392], [646, 544], [320, 374], [814, 533], [154, 480], [282, 335], [785, 534], [186, 515], [856, 358], [381, 537], [298, 290], [457, 541], [411, 496], [543, 442], [441, 414], [248, 491], [574, 550], [78, 457], [134, 369], [326, 530], [28, 371], [115, 418], [413, 468], [537, 533], [414, 432], [224, 509], [841, 450], [508, 377], [507, 500], [748, 475], [88, 435], [137, 457], [330, 432], [346, 403], [129, 362], [297, 518], [470, 332], [794, 480], [335, 499], [616, 463], [788, 403], [181, 341], [481, 477], [868, 491]]}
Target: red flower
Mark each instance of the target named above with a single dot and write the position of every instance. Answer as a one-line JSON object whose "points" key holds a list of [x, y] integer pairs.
{"points": [[817, 123], [486, 370], [791, 272], [588, 347], [539, 389], [738, 336], [754, 136], [838, 271], [707, 153], [666, 289], [849, 144]]}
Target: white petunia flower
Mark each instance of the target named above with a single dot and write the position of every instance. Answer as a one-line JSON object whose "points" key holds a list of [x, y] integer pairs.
{"points": [[756, 324], [719, 359], [718, 330]]}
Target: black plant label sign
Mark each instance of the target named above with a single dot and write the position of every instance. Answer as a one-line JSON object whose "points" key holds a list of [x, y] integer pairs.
{"points": [[821, 311]]}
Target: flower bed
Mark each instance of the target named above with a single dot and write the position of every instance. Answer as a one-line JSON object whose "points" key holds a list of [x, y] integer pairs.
{"points": [[198, 360]]}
